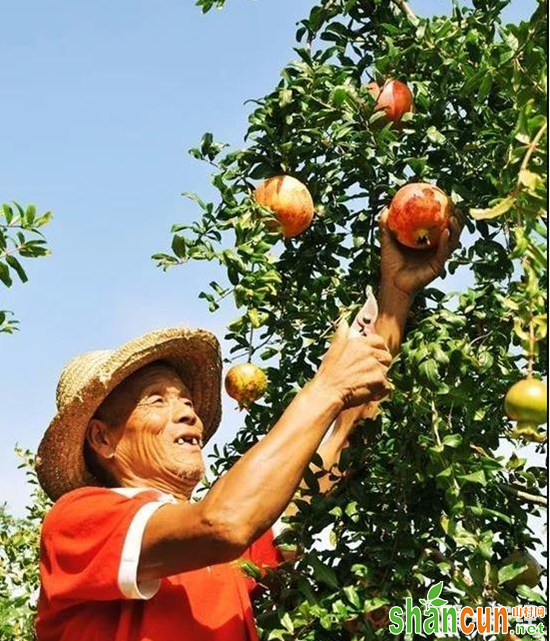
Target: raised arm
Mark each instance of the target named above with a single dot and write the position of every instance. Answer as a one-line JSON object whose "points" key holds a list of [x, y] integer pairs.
{"points": [[403, 273], [249, 498]]}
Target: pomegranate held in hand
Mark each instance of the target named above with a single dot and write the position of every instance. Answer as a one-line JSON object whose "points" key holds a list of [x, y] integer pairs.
{"points": [[418, 215], [245, 383], [289, 200], [394, 97]]}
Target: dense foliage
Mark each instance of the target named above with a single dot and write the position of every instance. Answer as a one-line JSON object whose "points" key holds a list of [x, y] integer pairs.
{"points": [[19, 555], [20, 237], [429, 494]]}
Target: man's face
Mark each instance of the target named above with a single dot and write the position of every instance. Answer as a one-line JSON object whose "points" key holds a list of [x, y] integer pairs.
{"points": [[160, 438]]}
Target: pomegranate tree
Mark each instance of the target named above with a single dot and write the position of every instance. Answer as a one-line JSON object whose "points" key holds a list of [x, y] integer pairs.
{"points": [[427, 493]]}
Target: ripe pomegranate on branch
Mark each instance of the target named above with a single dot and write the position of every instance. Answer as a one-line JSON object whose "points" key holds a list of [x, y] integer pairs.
{"points": [[393, 97], [290, 201]]}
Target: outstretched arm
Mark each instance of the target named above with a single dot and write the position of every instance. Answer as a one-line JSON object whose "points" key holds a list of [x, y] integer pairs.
{"points": [[247, 500], [390, 326], [403, 273]]}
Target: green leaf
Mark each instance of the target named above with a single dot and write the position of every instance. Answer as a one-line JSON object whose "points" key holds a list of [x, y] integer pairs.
{"points": [[530, 594], [503, 205], [338, 96], [322, 572], [508, 572], [179, 246], [485, 87], [5, 275], [530, 180], [352, 596], [254, 317], [430, 372], [250, 569], [452, 440], [17, 267], [285, 97], [435, 136], [435, 591], [44, 219], [8, 212], [374, 603], [286, 622], [475, 477], [30, 215]]}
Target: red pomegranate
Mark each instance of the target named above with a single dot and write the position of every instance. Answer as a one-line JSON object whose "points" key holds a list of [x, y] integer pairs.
{"points": [[289, 200], [419, 213], [394, 97]]}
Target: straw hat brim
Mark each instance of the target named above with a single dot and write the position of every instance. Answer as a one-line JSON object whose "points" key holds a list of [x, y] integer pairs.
{"points": [[194, 353]]}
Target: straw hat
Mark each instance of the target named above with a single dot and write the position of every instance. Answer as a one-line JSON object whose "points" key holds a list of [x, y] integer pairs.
{"points": [[88, 379]]}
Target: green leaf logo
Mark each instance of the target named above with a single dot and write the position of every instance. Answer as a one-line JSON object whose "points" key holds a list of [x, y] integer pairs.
{"points": [[433, 600], [435, 591]]}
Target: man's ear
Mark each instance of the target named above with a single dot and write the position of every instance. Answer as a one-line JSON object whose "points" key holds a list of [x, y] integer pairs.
{"points": [[100, 439]]}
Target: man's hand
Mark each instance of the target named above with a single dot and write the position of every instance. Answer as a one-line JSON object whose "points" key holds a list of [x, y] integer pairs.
{"points": [[407, 270], [354, 369]]}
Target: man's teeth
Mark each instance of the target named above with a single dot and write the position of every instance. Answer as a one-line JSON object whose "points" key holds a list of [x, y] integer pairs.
{"points": [[193, 441]]}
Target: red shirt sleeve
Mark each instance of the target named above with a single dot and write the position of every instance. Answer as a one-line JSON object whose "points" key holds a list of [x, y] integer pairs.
{"points": [[90, 545], [263, 553]]}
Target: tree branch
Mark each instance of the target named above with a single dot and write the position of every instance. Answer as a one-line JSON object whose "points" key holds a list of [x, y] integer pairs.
{"points": [[525, 496], [405, 8]]}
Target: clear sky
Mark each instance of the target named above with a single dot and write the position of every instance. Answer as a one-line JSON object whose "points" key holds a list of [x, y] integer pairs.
{"points": [[101, 101]]}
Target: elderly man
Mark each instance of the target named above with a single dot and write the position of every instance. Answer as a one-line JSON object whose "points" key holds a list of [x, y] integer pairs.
{"points": [[125, 554]]}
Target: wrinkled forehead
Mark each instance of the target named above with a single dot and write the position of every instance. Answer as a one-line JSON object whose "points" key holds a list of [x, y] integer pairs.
{"points": [[159, 376], [156, 377]]}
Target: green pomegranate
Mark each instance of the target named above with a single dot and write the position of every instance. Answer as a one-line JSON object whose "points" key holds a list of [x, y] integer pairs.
{"points": [[245, 383], [527, 403], [528, 433], [530, 576]]}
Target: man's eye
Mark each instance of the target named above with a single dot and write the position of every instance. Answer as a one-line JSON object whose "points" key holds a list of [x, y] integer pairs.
{"points": [[156, 400]]}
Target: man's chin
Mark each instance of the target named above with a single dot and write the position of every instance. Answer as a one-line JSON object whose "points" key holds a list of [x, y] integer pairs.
{"points": [[191, 472]]}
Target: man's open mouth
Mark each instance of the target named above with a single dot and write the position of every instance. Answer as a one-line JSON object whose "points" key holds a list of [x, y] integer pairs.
{"points": [[190, 440]]}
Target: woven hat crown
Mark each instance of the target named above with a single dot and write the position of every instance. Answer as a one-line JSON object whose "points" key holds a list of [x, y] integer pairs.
{"points": [[78, 369]]}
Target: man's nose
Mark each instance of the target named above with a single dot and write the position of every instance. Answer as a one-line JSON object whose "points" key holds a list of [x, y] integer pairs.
{"points": [[183, 412]]}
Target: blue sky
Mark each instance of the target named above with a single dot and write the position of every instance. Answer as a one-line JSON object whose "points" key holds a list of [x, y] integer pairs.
{"points": [[101, 102]]}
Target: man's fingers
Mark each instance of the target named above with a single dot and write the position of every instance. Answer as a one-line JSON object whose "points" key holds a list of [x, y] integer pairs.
{"points": [[383, 219], [443, 250], [337, 343], [381, 390], [342, 330], [386, 238], [375, 340], [455, 225], [448, 242], [382, 356]]}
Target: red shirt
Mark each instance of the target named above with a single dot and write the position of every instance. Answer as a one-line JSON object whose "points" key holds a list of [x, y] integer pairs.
{"points": [[90, 545]]}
